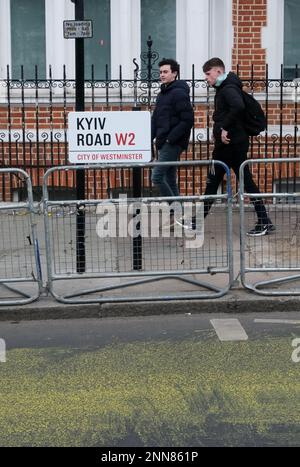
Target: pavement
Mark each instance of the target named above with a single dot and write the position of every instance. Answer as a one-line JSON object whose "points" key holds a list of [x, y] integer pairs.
{"points": [[159, 296]]}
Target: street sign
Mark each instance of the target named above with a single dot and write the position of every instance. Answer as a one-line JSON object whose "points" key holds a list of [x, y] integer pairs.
{"points": [[78, 29], [109, 137]]}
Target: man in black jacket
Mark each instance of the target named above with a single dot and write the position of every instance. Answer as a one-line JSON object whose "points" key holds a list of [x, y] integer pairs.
{"points": [[171, 124], [231, 140]]}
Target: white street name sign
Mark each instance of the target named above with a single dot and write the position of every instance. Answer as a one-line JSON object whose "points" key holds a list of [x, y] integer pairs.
{"points": [[109, 137]]}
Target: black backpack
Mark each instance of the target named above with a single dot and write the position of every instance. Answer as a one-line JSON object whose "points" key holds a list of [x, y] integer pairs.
{"points": [[254, 118]]}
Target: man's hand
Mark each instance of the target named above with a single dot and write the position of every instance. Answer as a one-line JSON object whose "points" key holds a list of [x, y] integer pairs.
{"points": [[224, 137], [153, 153]]}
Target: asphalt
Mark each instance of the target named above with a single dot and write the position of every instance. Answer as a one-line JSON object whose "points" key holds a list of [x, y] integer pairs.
{"points": [[162, 295]]}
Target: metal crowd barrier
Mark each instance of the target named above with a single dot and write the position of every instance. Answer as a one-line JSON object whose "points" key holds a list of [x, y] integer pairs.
{"points": [[265, 257], [19, 247], [116, 243]]}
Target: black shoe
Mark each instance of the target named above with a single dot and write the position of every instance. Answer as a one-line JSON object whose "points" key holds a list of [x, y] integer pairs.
{"points": [[261, 229], [189, 224]]}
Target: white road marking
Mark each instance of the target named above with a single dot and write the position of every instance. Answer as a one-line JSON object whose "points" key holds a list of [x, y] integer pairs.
{"points": [[229, 329], [2, 351], [279, 321]]}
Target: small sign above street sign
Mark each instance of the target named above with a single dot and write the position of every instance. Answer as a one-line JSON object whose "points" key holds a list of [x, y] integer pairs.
{"points": [[78, 29]]}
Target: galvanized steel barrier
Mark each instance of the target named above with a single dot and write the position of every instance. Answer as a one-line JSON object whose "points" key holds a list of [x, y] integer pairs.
{"points": [[19, 247], [127, 244], [264, 257]]}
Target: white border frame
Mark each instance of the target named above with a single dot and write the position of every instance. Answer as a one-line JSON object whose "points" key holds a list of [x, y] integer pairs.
{"points": [[203, 30], [125, 18], [5, 42], [59, 51], [273, 37]]}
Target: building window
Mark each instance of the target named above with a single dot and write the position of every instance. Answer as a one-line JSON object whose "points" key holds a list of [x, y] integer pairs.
{"points": [[28, 45], [291, 38], [97, 49], [158, 19]]}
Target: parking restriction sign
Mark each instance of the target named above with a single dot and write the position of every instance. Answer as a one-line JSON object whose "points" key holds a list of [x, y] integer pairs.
{"points": [[78, 29]]}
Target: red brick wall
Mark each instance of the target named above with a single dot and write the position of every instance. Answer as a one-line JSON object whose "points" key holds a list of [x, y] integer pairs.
{"points": [[36, 158], [249, 17]]}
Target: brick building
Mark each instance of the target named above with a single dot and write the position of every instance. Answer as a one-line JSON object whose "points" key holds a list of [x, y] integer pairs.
{"points": [[256, 38]]}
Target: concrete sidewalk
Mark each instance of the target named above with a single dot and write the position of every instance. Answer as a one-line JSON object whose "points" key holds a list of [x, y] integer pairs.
{"points": [[260, 251]]}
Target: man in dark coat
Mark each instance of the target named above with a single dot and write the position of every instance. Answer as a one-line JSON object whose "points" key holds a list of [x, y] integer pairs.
{"points": [[231, 139], [171, 124]]}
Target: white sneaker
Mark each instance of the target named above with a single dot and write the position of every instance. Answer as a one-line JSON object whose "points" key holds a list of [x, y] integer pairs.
{"points": [[189, 224]]}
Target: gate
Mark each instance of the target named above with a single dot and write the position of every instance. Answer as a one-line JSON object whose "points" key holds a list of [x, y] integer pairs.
{"points": [[265, 258], [126, 241], [20, 260]]}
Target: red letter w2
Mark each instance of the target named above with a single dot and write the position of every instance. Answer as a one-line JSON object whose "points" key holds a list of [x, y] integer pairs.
{"points": [[121, 139]]}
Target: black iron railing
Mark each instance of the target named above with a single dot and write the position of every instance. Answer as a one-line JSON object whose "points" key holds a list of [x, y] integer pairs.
{"points": [[34, 116]]}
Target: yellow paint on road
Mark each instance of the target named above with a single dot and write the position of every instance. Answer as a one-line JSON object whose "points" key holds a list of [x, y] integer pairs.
{"points": [[187, 393]]}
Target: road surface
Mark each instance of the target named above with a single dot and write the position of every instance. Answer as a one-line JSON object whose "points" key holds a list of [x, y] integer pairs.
{"points": [[180, 380]]}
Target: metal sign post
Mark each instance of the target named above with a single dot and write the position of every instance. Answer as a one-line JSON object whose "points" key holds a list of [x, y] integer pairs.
{"points": [[137, 262], [79, 106], [107, 137]]}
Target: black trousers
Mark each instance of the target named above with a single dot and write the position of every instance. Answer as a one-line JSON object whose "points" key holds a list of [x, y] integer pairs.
{"points": [[233, 155]]}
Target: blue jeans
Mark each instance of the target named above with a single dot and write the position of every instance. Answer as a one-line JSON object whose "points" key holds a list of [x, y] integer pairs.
{"points": [[165, 177]]}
